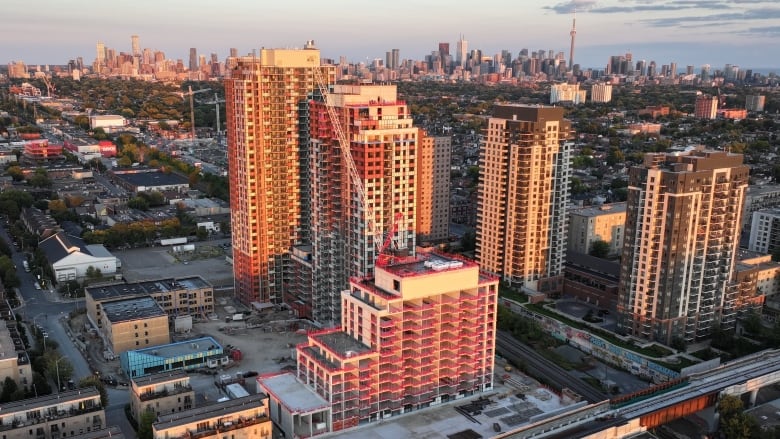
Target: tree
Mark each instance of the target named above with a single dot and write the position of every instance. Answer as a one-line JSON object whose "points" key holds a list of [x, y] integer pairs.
{"points": [[9, 388], [16, 173], [40, 178], [145, 424], [202, 233], [139, 203], [94, 381], [93, 273], [599, 249], [57, 206], [469, 241]]}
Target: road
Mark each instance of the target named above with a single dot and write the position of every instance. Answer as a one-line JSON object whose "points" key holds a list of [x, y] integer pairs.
{"points": [[542, 368], [46, 308]]}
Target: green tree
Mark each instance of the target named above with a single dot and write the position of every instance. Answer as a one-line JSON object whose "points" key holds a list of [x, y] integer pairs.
{"points": [[9, 389], [93, 273], [599, 249], [148, 418], [139, 203], [94, 381], [40, 178], [202, 233], [16, 173]]}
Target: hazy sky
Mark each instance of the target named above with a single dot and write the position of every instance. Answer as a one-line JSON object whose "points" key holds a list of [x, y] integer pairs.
{"points": [[742, 32]]}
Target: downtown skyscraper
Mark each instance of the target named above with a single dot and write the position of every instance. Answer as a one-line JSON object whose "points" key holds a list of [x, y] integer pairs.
{"points": [[268, 161], [523, 193], [681, 239]]}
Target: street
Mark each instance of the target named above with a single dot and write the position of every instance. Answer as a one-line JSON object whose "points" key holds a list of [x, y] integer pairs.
{"points": [[46, 308]]}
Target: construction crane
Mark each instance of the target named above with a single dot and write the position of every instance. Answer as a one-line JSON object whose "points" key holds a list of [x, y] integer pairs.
{"points": [[216, 103], [192, 106], [357, 182]]}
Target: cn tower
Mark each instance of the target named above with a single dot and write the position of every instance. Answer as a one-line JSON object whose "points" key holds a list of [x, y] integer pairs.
{"points": [[573, 33]]}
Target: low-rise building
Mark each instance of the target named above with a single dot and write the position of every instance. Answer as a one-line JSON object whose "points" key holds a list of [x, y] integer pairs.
{"points": [[14, 362], [765, 231], [242, 418], [162, 394], [184, 355], [71, 259], [294, 407], [133, 323], [597, 223], [148, 180], [73, 414], [177, 297]]}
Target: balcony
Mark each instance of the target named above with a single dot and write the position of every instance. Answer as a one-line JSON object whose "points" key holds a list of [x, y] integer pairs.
{"points": [[146, 396], [226, 426], [48, 416]]}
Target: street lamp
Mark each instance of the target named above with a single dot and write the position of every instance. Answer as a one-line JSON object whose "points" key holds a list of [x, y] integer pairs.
{"points": [[57, 368]]}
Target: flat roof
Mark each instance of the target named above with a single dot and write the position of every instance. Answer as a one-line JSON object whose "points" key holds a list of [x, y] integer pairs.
{"points": [[213, 411], [158, 378], [112, 432], [604, 209], [133, 308], [427, 263], [152, 179], [181, 348], [119, 290], [293, 394], [341, 343], [7, 347], [49, 400]]}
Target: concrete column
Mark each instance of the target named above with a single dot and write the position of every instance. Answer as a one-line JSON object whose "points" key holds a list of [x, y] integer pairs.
{"points": [[753, 395]]}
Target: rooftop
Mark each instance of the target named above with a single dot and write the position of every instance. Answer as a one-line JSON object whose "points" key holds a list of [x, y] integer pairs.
{"points": [[49, 400], [133, 308], [210, 412], [341, 343], [112, 432], [119, 290], [293, 394], [159, 378], [178, 349], [428, 263], [152, 179], [7, 348], [604, 209]]}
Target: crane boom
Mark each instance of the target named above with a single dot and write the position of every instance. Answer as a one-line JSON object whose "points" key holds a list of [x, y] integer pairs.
{"points": [[346, 155]]}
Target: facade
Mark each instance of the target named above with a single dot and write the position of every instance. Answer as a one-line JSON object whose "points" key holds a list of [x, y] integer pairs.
{"points": [[601, 93], [268, 156], [765, 231], [74, 413], [109, 122], [682, 230], [41, 151], [132, 324], [148, 180], [434, 157], [758, 198], [294, 408], [177, 297], [14, 361], [755, 102], [592, 280], [183, 355], [421, 332], [767, 273], [241, 418], [162, 394], [597, 223], [732, 113], [567, 93], [71, 259], [706, 107], [523, 194], [344, 229]]}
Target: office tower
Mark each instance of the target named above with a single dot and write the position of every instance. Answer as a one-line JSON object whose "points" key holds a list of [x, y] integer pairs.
{"points": [[463, 50], [641, 68], [434, 156], [601, 93], [681, 240], [444, 49], [765, 231], [705, 72], [755, 102], [651, 69], [689, 70], [268, 162], [389, 59], [193, 59], [136, 46], [345, 232], [396, 58], [597, 223], [706, 106], [420, 333], [567, 93], [233, 52], [523, 193], [100, 56], [573, 33], [673, 70]]}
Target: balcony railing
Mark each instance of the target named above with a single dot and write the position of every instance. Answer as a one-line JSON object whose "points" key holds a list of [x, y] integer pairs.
{"points": [[146, 396]]}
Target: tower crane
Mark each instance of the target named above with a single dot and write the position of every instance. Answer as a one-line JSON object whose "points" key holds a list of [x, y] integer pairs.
{"points": [[368, 207], [216, 103], [192, 106]]}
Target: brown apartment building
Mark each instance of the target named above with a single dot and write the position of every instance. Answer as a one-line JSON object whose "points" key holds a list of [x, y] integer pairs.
{"points": [[523, 193], [434, 158]]}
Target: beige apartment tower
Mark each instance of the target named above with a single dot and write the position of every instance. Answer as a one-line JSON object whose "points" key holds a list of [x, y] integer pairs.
{"points": [[268, 162], [682, 229], [434, 155], [523, 193]]}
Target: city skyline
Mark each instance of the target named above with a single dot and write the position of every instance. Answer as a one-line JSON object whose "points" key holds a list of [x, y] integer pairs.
{"points": [[681, 31]]}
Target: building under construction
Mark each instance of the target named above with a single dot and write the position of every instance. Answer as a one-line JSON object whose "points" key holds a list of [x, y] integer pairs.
{"points": [[421, 331]]}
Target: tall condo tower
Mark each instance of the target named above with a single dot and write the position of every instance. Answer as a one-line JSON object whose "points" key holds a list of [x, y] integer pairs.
{"points": [[136, 46], [523, 194], [679, 252], [463, 50], [573, 34], [267, 133]]}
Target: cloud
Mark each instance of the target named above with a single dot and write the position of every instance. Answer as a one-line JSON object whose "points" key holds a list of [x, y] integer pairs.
{"points": [[708, 20], [571, 6], [762, 31], [592, 6]]}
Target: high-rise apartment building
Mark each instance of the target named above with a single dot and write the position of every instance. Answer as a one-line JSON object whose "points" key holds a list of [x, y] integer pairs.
{"points": [[567, 93], [601, 93], [755, 102], [433, 187], [523, 193], [345, 230], [706, 107], [681, 240], [193, 59], [136, 45], [421, 332], [765, 231], [268, 158]]}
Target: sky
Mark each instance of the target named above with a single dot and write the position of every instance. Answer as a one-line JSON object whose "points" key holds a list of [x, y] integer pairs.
{"points": [[688, 32]]}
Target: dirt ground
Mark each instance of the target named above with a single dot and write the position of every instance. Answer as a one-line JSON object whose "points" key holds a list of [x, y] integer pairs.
{"points": [[94, 348]]}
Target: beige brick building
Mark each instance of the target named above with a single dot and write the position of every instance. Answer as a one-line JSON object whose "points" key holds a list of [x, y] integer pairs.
{"points": [[597, 223], [241, 418], [14, 361], [134, 323], [66, 414], [163, 394]]}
